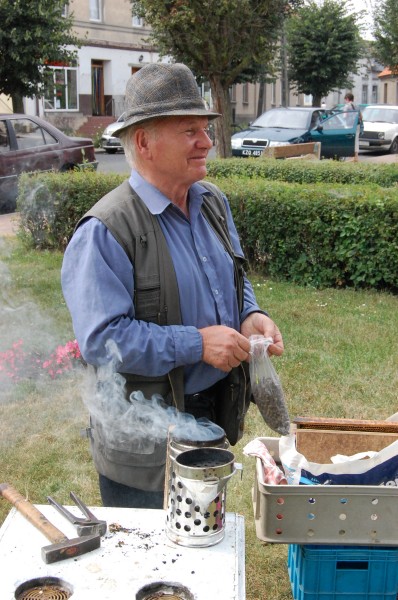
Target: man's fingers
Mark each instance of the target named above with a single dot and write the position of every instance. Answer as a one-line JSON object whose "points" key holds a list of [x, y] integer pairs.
{"points": [[223, 347]]}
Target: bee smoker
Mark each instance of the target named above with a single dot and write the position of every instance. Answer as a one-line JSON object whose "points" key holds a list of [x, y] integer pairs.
{"points": [[197, 472]]}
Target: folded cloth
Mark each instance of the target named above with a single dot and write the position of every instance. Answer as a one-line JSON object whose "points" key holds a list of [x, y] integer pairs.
{"points": [[272, 474]]}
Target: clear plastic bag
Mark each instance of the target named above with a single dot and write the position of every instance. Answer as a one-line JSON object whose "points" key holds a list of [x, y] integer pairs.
{"points": [[266, 386]]}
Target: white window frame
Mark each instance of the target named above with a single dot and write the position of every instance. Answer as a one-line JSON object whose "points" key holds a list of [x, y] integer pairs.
{"points": [[365, 94], [245, 93], [273, 93], [95, 8], [54, 98], [137, 21]]}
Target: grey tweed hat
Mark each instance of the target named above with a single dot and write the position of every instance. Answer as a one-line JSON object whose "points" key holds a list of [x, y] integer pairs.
{"points": [[162, 90]]}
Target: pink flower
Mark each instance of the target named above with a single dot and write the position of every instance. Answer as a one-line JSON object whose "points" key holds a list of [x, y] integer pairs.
{"points": [[16, 364]]}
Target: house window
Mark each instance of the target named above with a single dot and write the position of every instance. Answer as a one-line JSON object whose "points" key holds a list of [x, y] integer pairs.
{"points": [[232, 93], [375, 94], [95, 10], [245, 93], [138, 21], [60, 89], [65, 10], [364, 94], [273, 93], [385, 93]]}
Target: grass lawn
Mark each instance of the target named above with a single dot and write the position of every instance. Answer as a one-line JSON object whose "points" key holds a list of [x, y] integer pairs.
{"points": [[340, 361]]}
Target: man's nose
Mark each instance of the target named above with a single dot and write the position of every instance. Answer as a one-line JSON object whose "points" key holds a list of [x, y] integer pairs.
{"points": [[205, 139]]}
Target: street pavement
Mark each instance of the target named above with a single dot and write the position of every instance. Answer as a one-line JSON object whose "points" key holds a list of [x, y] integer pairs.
{"points": [[8, 224]]}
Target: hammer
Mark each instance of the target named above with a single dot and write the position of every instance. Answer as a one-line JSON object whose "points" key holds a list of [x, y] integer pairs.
{"points": [[61, 547]]}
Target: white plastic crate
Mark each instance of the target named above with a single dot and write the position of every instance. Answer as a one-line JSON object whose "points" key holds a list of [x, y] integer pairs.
{"points": [[345, 515]]}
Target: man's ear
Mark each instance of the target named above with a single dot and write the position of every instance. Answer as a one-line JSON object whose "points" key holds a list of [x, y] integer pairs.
{"points": [[142, 139]]}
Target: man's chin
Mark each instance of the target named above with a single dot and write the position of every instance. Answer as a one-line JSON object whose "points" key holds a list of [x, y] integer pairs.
{"points": [[199, 167]]}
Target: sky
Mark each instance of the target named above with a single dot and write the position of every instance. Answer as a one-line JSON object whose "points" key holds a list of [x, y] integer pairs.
{"points": [[367, 6]]}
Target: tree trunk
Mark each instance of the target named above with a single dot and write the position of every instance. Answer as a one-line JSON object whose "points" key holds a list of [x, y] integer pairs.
{"points": [[316, 100], [17, 103], [284, 71], [222, 125]]}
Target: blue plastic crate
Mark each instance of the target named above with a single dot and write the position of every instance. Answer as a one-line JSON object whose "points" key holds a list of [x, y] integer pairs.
{"points": [[334, 572]]}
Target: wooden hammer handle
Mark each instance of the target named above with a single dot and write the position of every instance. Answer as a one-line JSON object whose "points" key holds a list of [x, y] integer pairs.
{"points": [[31, 513]]}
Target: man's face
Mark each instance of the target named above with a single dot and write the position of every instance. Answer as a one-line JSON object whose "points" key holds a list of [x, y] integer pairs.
{"points": [[179, 147]]}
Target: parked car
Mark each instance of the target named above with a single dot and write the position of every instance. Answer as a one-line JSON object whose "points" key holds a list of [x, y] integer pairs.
{"points": [[380, 128], [110, 143], [340, 107], [29, 144], [283, 126]]}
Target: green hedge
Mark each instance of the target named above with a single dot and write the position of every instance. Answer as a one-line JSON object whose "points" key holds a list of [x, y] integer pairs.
{"points": [[318, 234], [312, 234], [50, 204], [308, 171]]}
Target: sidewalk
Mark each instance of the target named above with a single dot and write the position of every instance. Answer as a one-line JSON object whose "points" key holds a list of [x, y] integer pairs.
{"points": [[8, 224]]}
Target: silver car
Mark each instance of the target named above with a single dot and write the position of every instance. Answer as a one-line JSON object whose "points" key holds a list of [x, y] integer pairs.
{"points": [[110, 143], [380, 128]]}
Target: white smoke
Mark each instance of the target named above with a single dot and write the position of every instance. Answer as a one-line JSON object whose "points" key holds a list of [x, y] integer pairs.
{"points": [[139, 422], [27, 335]]}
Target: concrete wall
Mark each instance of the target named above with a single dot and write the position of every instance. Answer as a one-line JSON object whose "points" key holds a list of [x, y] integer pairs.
{"points": [[5, 104]]}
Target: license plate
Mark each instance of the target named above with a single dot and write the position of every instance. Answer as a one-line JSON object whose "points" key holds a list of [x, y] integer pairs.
{"points": [[363, 143], [252, 152]]}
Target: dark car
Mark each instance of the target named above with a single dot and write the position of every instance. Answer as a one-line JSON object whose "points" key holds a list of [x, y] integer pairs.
{"points": [[282, 126], [30, 144], [340, 107]]}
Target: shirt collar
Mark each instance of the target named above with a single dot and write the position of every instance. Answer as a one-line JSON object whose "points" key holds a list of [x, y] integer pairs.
{"points": [[154, 200]]}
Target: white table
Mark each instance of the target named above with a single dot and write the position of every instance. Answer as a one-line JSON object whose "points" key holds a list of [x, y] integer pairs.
{"points": [[137, 554]]}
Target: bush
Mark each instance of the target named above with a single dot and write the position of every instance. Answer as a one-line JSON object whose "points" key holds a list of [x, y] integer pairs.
{"points": [[311, 234], [50, 204], [318, 234], [298, 171]]}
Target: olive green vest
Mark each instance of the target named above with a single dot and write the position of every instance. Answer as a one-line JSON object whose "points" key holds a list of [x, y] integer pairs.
{"points": [[156, 300]]}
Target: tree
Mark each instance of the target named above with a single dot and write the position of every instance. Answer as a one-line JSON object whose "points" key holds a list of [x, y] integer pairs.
{"points": [[385, 33], [33, 33], [324, 46], [222, 42]]}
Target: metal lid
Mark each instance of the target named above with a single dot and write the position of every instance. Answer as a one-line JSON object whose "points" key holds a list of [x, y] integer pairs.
{"points": [[201, 433]]}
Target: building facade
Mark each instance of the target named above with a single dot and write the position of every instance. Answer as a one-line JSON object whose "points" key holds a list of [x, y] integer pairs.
{"points": [[389, 87], [5, 104], [114, 46]]}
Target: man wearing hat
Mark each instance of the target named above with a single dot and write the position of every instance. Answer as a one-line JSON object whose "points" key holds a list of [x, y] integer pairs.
{"points": [[154, 269]]}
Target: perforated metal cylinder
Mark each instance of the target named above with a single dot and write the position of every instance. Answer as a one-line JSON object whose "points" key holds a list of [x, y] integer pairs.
{"points": [[197, 496]]}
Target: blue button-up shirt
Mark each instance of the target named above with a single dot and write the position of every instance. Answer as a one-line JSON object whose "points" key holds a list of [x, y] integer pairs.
{"points": [[98, 285]]}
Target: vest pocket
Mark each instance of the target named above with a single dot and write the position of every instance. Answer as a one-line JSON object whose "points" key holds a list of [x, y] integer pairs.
{"points": [[147, 298]]}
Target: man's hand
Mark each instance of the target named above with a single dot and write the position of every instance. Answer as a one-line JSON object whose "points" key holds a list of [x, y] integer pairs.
{"points": [[259, 324], [223, 347]]}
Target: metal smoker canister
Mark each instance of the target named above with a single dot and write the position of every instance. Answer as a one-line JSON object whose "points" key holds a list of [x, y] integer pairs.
{"points": [[196, 507]]}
